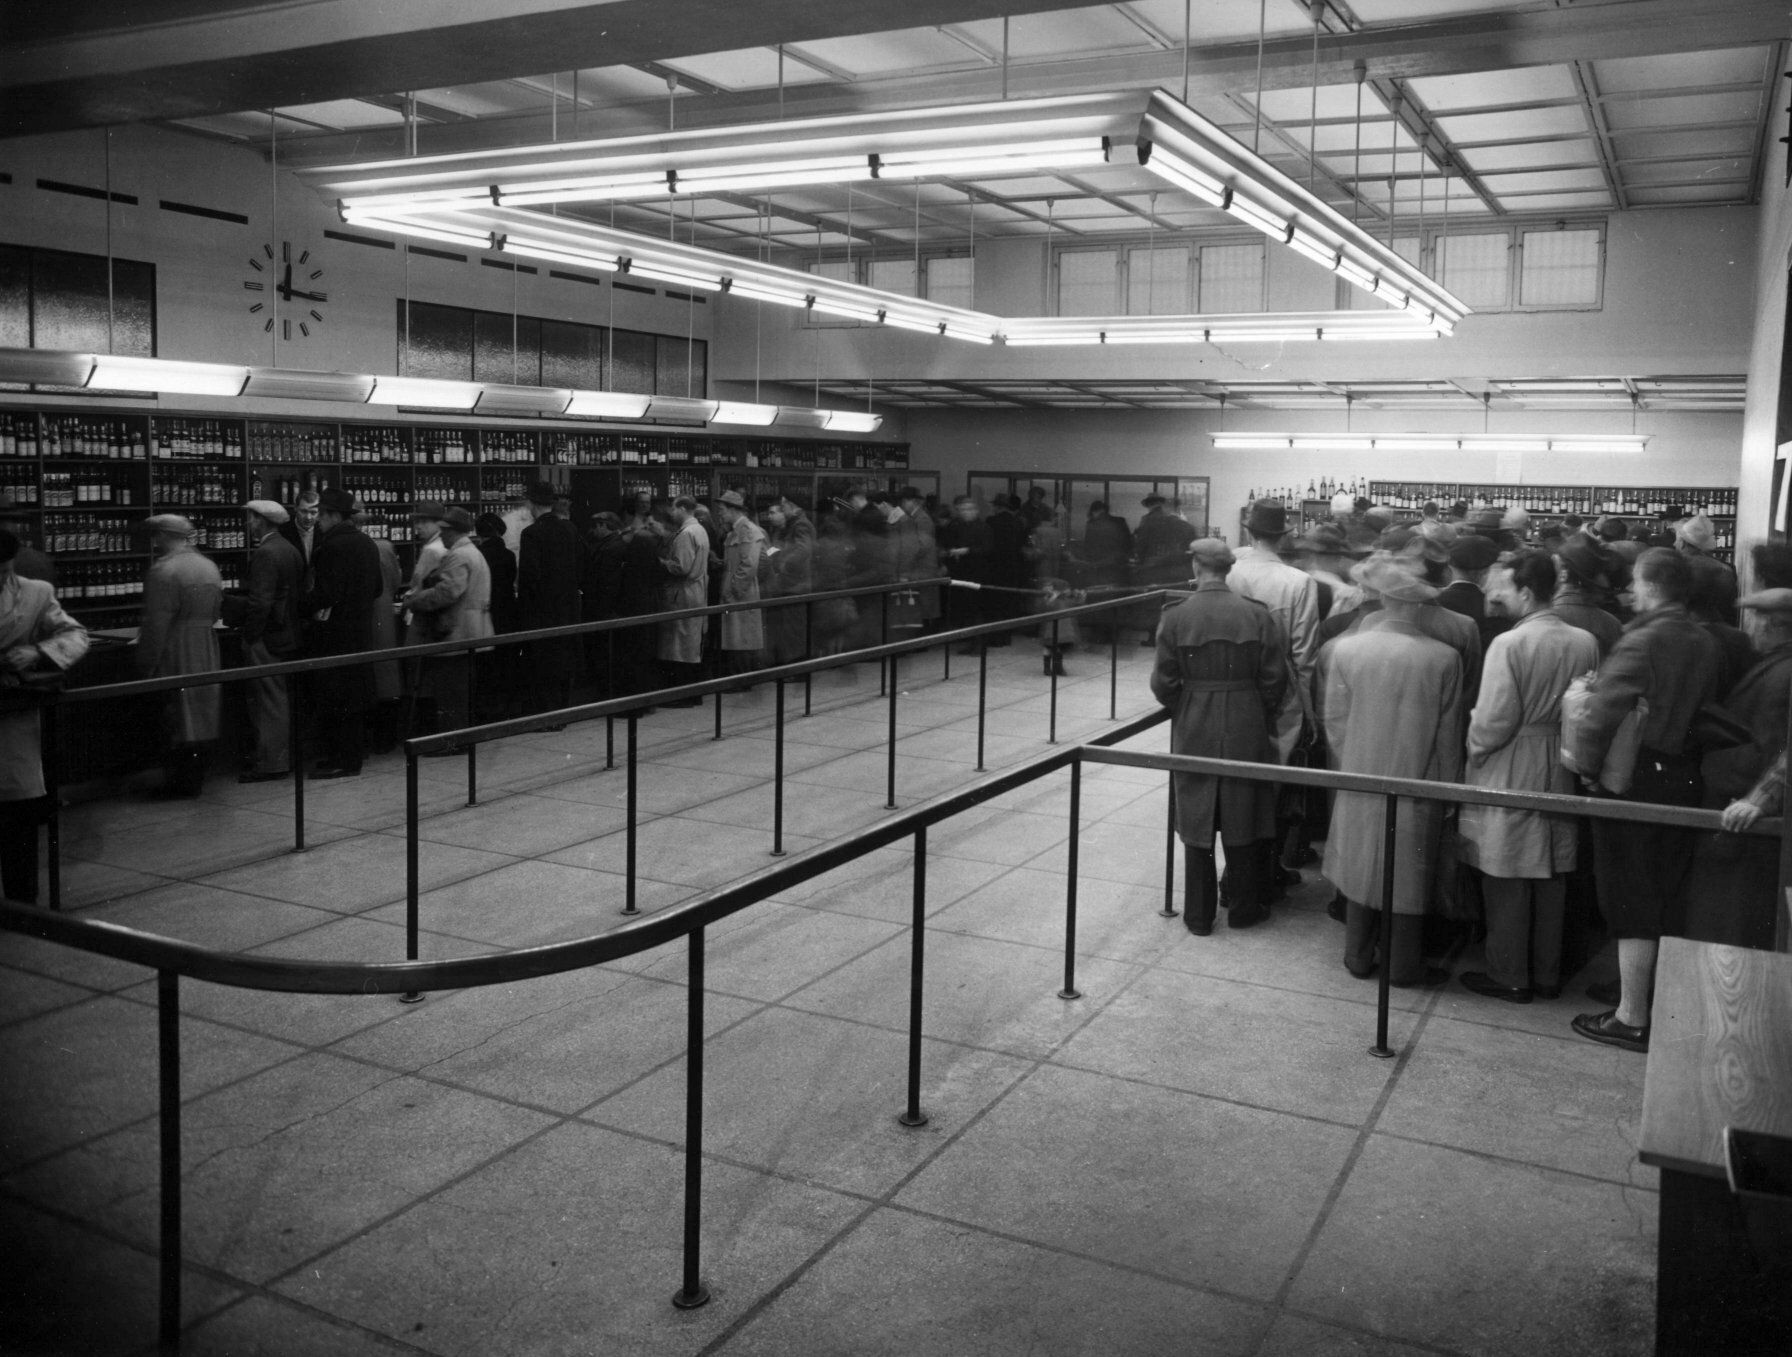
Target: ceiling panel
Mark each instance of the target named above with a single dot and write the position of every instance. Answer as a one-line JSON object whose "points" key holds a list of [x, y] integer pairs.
{"points": [[1519, 125], [1486, 88], [1688, 193], [1335, 101], [1560, 202], [1531, 155], [750, 68], [1500, 184], [1221, 20], [1337, 137], [883, 53], [1682, 110], [1411, 11], [1697, 141], [1061, 33], [1733, 170], [1683, 69]]}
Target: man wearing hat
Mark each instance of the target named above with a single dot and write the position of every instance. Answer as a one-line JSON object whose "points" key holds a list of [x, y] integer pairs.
{"points": [[1161, 544], [267, 616], [454, 604], [1470, 559], [743, 545], [1326, 558], [182, 597], [686, 563], [426, 528], [1588, 572], [346, 586], [916, 558], [547, 595], [1392, 708], [1222, 671]]}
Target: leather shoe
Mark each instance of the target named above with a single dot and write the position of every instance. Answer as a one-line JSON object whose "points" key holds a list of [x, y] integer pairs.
{"points": [[1199, 928], [1607, 1030], [1479, 982], [323, 774], [1607, 992], [1336, 908]]}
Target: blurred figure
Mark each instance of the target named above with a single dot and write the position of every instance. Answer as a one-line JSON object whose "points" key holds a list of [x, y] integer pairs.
{"points": [[1514, 743], [966, 546], [1586, 571], [1161, 545], [454, 604], [685, 560], [345, 587], [743, 631], [183, 597], [834, 618], [783, 572], [1008, 566], [267, 616], [500, 562], [639, 596], [547, 595], [917, 556], [1105, 549]]}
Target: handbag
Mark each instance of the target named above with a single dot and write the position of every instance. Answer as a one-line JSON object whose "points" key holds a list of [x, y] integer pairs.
{"points": [[1617, 768]]}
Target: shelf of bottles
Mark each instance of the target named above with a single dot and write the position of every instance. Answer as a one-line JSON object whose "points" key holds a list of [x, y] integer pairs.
{"points": [[443, 447], [508, 447], [584, 449], [446, 487], [90, 534], [214, 440], [379, 489], [696, 485], [94, 437], [185, 486], [384, 443], [89, 587], [499, 485], [292, 441]]}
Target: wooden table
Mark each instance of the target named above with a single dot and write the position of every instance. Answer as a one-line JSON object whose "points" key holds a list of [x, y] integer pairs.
{"points": [[1720, 1054]]}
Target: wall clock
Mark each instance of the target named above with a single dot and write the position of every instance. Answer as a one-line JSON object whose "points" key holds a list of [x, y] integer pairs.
{"points": [[288, 288]]}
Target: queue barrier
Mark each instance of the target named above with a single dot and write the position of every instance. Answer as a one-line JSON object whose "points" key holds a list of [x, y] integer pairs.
{"points": [[689, 919]]}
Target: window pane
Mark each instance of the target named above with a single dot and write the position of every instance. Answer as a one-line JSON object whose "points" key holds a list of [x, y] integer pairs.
{"points": [[892, 275], [679, 367], [15, 297], [1157, 282], [70, 309], [1561, 268], [1355, 299], [1476, 269], [1231, 278], [951, 281], [631, 363], [841, 270], [572, 355], [441, 342], [504, 354], [1088, 282]]}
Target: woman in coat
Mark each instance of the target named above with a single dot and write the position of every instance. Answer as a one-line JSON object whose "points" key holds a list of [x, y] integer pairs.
{"points": [[183, 597], [1514, 743]]}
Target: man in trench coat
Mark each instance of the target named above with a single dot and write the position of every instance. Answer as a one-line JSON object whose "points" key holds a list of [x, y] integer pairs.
{"points": [[183, 595], [686, 562], [1222, 669], [743, 632]]}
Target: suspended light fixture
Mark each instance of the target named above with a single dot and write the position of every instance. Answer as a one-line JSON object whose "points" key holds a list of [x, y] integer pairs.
{"points": [[742, 412], [1246, 441], [1243, 327], [607, 405], [428, 392], [853, 421], [117, 372]]}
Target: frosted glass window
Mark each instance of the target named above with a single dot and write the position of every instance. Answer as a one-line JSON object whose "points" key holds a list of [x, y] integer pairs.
{"points": [[1231, 278], [1477, 269], [1355, 299], [840, 270], [1088, 282], [892, 275], [951, 280], [1560, 268], [1157, 282]]}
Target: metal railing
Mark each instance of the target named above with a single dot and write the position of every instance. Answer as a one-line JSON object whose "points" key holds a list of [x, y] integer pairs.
{"points": [[293, 670], [689, 919]]}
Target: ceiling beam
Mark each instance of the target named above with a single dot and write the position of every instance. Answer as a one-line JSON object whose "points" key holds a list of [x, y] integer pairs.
{"points": [[1588, 85]]}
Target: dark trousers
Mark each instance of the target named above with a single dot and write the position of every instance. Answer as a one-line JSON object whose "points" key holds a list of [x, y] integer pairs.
{"points": [[1641, 869], [1248, 882], [1364, 929], [341, 736], [18, 847], [1524, 930]]}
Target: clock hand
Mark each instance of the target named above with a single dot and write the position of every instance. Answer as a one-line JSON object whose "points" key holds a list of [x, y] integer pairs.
{"points": [[309, 296], [286, 285]]}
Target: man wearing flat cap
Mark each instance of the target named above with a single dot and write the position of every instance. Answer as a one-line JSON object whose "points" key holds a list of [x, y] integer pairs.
{"points": [[266, 614], [1583, 598], [183, 595], [1470, 559], [346, 586], [1392, 708], [1222, 669], [547, 595], [743, 545], [454, 604]]}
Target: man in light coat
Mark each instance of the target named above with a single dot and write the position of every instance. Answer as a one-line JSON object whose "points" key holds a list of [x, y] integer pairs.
{"points": [[1221, 669], [36, 639], [1392, 708], [743, 543], [686, 563], [183, 596], [917, 559], [453, 604], [267, 616]]}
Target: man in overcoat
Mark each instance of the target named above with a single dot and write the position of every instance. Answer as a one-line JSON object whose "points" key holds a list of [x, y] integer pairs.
{"points": [[183, 595], [346, 585], [547, 595], [456, 604], [686, 563], [1222, 669], [743, 632], [267, 615]]}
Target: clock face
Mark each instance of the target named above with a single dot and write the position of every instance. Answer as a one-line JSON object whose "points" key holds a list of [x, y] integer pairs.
{"points": [[286, 289]]}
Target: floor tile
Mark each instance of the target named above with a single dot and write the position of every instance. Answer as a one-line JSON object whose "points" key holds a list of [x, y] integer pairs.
{"points": [[660, 789], [519, 825], [92, 883], [985, 1295], [1115, 921], [998, 995], [1557, 1101], [1484, 1258], [1294, 1336], [816, 1098], [683, 852], [813, 812], [989, 835], [880, 885], [266, 1326], [1290, 1052], [1185, 1187], [24, 995], [79, 1072], [211, 840], [775, 950], [561, 1042], [287, 1163], [593, 1274], [355, 874], [209, 916]]}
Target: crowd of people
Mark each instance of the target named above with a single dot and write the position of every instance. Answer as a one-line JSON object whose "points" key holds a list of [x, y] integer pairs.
{"points": [[1445, 650]]}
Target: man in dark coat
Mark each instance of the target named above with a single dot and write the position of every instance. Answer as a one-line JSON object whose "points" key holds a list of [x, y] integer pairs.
{"points": [[965, 548], [1008, 562], [267, 615], [346, 586], [1466, 593], [1222, 668], [301, 527], [547, 595], [1669, 661], [1161, 543]]}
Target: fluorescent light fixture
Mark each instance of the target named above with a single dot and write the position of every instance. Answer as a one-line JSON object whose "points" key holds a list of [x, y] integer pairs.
{"points": [[404, 226], [681, 409], [498, 399], [952, 330], [926, 327], [853, 421], [1264, 336], [851, 310], [587, 188], [740, 287], [1331, 442], [116, 372], [385, 204], [774, 174], [1248, 441], [607, 405], [1024, 340], [293, 384], [741, 412], [1155, 337], [802, 417], [46, 367], [1190, 178], [991, 161], [428, 392], [1606, 443], [556, 254], [1252, 215], [1386, 332], [1313, 248], [1252, 442], [662, 274]]}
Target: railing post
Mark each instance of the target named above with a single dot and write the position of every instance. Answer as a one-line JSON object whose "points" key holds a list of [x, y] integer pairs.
{"points": [[1169, 909], [411, 873], [982, 694], [1782, 911], [718, 734], [883, 633], [1381, 1050], [1114, 664], [472, 716], [168, 1063], [890, 773], [609, 743], [295, 755], [1070, 868], [52, 761], [1051, 735], [692, 1293], [778, 777], [914, 1116], [628, 906], [808, 654]]}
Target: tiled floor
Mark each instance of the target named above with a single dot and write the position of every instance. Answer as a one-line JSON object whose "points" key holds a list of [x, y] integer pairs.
{"points": [[1196, 1156]]}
